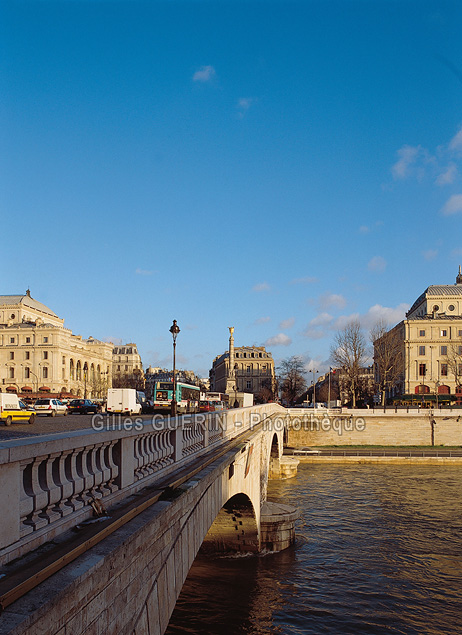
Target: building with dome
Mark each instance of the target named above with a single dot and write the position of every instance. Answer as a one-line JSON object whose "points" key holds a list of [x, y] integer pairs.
{"points": [[431, 346], [39, 355]]}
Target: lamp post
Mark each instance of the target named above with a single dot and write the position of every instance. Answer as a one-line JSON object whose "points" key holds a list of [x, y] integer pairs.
{"points": [[32, 373], [174, 330], [314, 387]]}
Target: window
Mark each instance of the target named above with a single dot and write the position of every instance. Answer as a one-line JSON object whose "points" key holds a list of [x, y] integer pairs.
{"points": [[64, 359], [27, 340], [422, 369], [45, 372], [459, 350], [459, 332], [249, 385], [27, 372], [45, 340], [27, 355], [459, 369], [118, 367], [451, 307], [237, 354], [421, 333], [11, 355], [248, 369], [421, 350], [11, 340], [11, 373], [45, 354], [126, 367], [444, 370], [444, 350], [444, 332]]}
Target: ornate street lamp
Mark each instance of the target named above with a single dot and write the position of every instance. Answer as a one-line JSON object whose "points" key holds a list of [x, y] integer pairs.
{"points": [[314, 387], [174, 330]]}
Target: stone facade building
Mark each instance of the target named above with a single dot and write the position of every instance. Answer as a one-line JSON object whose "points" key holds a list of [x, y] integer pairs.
{"points": [[127, 366], [39, 355], [431, 345], [242, 369]]}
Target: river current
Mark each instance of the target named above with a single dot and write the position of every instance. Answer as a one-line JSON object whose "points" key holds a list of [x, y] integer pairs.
{"points": [[378, 551]]}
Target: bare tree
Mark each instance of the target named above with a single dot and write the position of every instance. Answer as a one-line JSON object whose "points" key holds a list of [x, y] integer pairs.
{"points": [[349, 352], [454, 361], [293, 383], [388, 355], [134, 379]]}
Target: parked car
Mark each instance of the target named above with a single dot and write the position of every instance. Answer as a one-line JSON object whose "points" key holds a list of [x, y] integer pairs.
{"points": [[82, 406], [50, 407]]}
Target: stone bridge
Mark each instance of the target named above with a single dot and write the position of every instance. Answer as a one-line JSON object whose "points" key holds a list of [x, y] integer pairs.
{"points": [[99, 528]]}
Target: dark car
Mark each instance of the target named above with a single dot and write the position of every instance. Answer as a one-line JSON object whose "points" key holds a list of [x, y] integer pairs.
{"points": [[83, 406]]}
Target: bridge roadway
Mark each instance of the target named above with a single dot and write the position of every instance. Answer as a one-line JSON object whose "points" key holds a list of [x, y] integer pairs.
{"points": [[197, 481], [51, 425]]}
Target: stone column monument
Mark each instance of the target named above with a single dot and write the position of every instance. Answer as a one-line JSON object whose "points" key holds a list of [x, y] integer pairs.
{"points": [[230, 380]]}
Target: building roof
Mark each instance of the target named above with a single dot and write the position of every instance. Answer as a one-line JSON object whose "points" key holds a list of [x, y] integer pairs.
{"points": [[437, 290], [26, 300]]}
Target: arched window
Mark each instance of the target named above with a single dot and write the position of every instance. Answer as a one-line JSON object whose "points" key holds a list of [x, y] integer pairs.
{"points": [[71, 369]]}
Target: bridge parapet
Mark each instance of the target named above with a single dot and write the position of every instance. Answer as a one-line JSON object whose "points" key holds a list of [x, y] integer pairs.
{"points": [[50, 483]]}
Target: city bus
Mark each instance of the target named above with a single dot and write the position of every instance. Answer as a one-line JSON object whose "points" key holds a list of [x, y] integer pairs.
{"points": [[187, 397]]}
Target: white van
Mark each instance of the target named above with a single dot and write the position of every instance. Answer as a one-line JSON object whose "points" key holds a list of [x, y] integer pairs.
{"points": [[11, 410], [123, 401]]}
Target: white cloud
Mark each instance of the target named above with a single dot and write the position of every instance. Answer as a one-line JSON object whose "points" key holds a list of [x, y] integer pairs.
{"points": [[364, 229], [204, 74], [278, 340], [430, 254], [144, 272], [407, 156], [377, 263], [375, 313], [318, 326], [448, 176], [243, 105], [321, 320], [388, 314], [456, 142], [287, 324], [306, 280], [261, 286], [328, 300], [453, 205], [263, 320]]}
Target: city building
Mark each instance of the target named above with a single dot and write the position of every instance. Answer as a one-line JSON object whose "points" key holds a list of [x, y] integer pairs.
{"points": [[38, 354], [127, 368], [242, 369], [430, 345]]}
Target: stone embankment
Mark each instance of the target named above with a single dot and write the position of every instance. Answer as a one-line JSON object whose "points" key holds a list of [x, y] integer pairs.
{"points": [[373, 428]]}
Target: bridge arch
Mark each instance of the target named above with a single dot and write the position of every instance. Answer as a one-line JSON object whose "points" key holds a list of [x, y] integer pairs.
{"points": [[234, 529]]}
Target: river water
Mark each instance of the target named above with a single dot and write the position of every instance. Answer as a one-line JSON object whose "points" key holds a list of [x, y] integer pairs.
{"points": [[378, 550]]}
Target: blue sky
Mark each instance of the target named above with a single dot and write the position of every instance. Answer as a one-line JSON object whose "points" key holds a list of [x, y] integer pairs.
{"points": [[279, 167]]}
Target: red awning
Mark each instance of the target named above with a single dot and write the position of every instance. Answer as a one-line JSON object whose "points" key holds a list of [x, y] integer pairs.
{"points": [[44, 389], [27, 388], [11, 389]]}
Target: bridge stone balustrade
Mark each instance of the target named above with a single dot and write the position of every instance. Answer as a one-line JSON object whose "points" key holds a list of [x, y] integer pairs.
{"points": [[48, 482], [129, 583]]}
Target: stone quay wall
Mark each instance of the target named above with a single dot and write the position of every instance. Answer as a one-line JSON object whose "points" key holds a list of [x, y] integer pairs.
{"points": [[363, 427]]}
